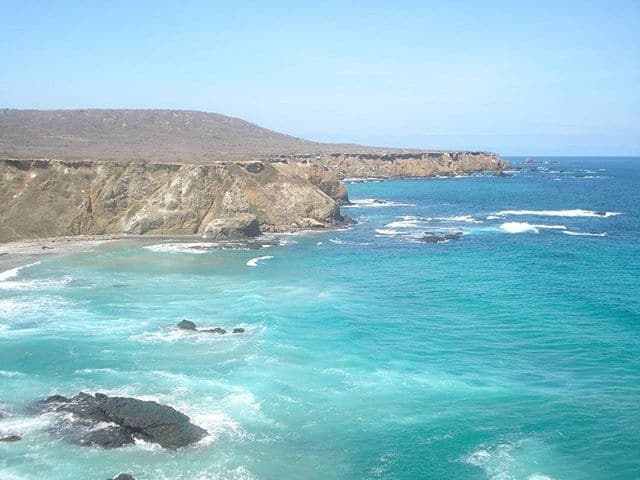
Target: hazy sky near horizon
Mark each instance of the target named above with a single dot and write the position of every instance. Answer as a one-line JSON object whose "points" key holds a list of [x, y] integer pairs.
{"points": [[536, 78]]}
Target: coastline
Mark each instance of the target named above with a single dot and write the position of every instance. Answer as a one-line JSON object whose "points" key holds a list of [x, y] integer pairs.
{"points": [[23, 252]]}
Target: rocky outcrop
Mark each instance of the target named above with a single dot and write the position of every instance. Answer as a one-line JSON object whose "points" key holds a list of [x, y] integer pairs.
{"points": [[112, 422], [47, 198], [241, 226]]}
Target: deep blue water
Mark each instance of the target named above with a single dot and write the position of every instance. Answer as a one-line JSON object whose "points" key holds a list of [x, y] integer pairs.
{"points": [[511, 353]]}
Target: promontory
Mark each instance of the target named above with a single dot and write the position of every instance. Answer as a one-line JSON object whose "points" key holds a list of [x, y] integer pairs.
{"points": [[174, 172]]}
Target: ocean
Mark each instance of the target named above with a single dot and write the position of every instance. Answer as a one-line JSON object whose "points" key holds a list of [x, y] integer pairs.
{"points": [[509, 352]]}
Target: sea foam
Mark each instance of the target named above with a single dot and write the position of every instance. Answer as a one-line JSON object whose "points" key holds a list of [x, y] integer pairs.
{"points": [[460, 218], [254, 261], [195, 248], [7, 274], [584, 234], [522, 227], [559, 213], [374, 202], [387, 231]]}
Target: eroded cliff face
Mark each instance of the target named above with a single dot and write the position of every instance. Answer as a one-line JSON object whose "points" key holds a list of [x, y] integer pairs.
{"points": [[404, 164], [223, 200], [41, 198]]}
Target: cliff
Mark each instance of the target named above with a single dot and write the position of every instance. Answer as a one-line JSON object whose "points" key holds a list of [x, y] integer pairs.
{"points": [[42, 198], [97, 172], [404, 164]]}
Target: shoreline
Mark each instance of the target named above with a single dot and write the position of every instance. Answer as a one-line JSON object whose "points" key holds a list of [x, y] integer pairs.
{"points": [[23, 252]]}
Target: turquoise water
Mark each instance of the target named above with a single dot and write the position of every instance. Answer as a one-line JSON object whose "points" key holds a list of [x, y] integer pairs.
{"points": [[368, 354]]}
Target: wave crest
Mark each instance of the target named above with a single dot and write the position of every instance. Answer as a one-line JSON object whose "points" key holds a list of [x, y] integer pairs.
{"points": [[578, 212], [254, 261]]}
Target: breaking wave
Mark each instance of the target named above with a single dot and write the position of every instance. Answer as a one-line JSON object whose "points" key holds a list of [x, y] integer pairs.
{"points": [[584, 234], [523, 227], [559, 213], [511, 460], [387, 231], [460, 218], [195, 248], [374, 202], [254, 261], [7, 274]]}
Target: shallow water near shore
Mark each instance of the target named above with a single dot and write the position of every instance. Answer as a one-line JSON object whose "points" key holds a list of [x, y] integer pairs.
{"points": [[512, 352]]}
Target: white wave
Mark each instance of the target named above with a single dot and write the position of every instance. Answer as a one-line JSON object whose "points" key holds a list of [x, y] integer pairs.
{"points": [[493, 217], [510, 461], [34, 284], [522, 227], [374, 202], [337, 241], [173, 335], [13, 306], [7, 274], [518, 227], [362, 179], [585, 234], [25, 426], [559, 213], [407, 222], [386, 231], [10, 373], [90, 371], [459, 218], [147, 446], [195, 248], [254, 261], [218, 424]]}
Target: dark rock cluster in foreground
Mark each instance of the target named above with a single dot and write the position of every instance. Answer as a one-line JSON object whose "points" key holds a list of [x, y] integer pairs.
{"points": [[112, 422]]}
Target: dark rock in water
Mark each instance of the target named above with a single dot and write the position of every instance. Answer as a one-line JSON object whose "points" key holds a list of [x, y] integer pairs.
{"points": [[88, 432], [11, 438], [186, 325], [239, 330], [601, 214], [453, 236], [122, 476], [382, 202], [47, 404], [156, 423], [219, 330], [111, 422], [431, 237]]}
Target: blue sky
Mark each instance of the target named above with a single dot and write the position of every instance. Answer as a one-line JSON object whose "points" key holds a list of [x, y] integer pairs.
{"points": [[536, 78]]}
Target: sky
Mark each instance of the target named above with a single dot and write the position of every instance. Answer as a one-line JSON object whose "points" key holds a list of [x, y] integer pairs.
{"points": [[519, 78]]}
